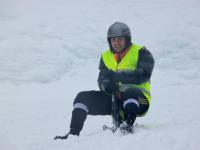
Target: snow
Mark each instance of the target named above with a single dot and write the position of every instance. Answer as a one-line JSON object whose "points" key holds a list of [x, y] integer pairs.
{"points": [[50, 50]]}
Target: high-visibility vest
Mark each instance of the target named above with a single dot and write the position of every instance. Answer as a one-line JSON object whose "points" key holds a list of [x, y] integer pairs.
{"points": [[128, 62]]}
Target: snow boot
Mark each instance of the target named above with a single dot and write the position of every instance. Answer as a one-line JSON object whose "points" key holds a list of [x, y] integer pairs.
{"points": [[125, 128]]}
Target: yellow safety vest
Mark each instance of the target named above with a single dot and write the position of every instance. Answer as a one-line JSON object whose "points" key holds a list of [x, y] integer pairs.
{"points": [[128, 62]]}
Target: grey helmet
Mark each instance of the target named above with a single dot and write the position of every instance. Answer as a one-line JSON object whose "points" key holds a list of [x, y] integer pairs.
{"points": [[118, 29]]}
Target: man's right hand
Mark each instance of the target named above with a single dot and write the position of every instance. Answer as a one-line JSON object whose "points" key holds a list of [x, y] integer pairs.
{"points": [[108, 86]]}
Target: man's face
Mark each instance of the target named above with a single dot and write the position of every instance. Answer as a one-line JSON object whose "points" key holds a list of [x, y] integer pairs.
{"points": [[118, 43]]}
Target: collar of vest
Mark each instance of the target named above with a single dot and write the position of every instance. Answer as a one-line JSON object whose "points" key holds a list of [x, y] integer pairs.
{"points": [[118, 56]]}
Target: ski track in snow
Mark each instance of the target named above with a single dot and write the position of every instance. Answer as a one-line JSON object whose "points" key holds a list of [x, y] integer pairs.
{"points": [[49, 51]]}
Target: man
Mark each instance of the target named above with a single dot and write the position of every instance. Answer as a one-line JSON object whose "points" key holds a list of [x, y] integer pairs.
{"points": [[125, 71]]}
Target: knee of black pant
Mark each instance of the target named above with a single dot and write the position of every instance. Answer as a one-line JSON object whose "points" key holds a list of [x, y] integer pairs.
{"points": [[131, 110], [81, 101], [132, 93], [80, 97]]}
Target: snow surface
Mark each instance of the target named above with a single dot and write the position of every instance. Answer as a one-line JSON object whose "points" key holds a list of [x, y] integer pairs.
{"points": [[50, 50]]}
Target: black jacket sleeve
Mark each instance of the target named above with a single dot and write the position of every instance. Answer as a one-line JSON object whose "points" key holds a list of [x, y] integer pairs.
{"points": [[102, 76], [141, 74]]}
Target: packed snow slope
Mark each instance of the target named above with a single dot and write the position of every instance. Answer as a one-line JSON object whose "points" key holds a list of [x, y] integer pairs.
{"points": [[50, 50]]}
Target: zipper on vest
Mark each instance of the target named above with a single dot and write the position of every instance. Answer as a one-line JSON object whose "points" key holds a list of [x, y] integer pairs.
{"points": [[116, 70]]}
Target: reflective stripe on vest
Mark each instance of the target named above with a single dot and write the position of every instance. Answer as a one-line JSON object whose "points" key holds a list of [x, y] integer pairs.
{"points": [[128, 62]]}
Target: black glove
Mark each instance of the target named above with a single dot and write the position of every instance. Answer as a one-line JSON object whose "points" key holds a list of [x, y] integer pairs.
{"points": [[108, 86], [108, 74]]}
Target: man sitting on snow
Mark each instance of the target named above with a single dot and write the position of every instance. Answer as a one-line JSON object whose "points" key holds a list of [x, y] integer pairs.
{"points": [[125, 71]]}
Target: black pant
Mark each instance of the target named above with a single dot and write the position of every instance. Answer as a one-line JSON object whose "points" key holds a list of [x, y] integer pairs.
{"points": [[100, 103]]}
